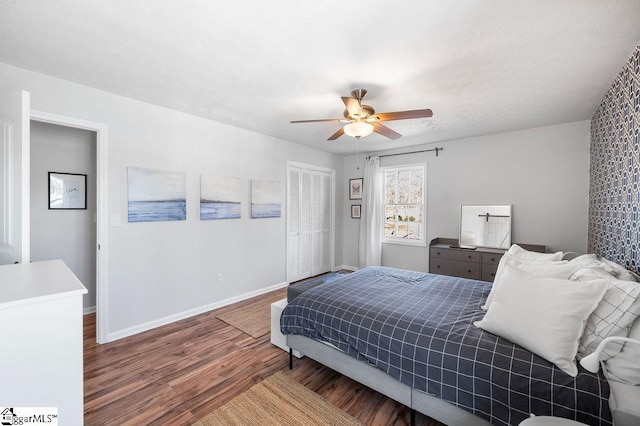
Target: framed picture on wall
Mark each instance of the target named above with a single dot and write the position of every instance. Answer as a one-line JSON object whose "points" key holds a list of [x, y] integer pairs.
{"points": [[67, 191], [355, 211], [156, 195], [355, 189]]}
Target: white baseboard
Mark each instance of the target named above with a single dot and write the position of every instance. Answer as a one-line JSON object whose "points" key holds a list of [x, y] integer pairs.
{"points": [[347, 267], [186, 314], [89, 310]]}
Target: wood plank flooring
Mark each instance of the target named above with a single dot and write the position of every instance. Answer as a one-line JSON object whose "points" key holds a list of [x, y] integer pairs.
{"points": [[180, 372]]}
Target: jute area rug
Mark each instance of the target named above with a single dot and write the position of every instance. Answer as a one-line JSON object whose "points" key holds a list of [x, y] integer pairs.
{"points": [[278, 400], [253, 319]]}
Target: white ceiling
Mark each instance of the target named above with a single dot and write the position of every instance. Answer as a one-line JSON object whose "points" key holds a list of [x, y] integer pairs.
{"points": [[482, 66]]}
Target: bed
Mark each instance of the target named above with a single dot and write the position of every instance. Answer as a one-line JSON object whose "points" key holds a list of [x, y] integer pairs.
{"points": [[410, 336]]}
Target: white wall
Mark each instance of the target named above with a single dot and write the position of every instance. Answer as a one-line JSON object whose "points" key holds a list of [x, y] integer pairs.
{"points": [[69, 235], [159, 270], [542, 172]]}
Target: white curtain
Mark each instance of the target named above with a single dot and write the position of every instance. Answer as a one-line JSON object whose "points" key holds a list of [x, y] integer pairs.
{"points": [[370, 241]]}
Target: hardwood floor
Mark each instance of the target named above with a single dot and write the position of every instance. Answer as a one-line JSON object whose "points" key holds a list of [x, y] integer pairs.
{"points": [[180, 372]]}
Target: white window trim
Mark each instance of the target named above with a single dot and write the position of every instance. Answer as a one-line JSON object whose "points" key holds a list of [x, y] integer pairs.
{"points": [[419, 243]]}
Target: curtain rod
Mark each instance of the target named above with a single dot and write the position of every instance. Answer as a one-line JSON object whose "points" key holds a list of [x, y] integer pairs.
{"points": [[411, 152]]}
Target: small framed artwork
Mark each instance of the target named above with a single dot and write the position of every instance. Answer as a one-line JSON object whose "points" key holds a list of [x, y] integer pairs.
{"points": [[67, 191], [355, 189], [355, 211]]}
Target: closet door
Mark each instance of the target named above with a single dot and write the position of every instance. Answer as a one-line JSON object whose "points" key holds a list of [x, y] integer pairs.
{"points": [[298, 225], [321, 223], [293, 224], [309, 223], [305, 252]]}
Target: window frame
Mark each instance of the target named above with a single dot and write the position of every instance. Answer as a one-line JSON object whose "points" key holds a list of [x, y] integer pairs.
{"points": [[423, 231]]}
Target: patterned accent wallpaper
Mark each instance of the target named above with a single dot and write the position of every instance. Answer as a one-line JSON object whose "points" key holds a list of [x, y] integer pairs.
{"points": [[614, 178]]}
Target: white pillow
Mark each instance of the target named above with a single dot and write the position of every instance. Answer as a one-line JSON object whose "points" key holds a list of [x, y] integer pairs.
{"points": [[613, 316], [593, 273], [541, 268], [546, 269], [603, 268], [620, 271], [625, 366], [544, 315], [519, 252], [586, 260], [590, 262]]}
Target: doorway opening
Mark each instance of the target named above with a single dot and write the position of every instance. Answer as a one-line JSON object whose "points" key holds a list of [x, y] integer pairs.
{"points": [[63, 225], [97, 244]]}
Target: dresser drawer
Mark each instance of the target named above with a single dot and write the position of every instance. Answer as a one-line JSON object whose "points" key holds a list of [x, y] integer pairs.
{"points": [[455, 254], [455, 268], [491, 258], [489, 272]]}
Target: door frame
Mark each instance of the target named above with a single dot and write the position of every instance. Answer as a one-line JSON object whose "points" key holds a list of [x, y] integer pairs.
{"points": [[332, 197], [101, 130]]}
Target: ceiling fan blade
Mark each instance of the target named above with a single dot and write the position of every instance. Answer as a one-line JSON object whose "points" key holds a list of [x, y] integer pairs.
{"points": [[403, 115], [324, 120], [336, 135], [353, 106], [385, 131]]}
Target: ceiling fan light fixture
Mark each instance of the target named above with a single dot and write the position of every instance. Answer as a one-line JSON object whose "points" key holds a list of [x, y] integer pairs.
{"points": [[362, 120], [358, 129]]}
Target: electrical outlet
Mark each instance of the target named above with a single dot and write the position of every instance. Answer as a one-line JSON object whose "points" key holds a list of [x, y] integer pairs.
{"points": [[220, 279]]}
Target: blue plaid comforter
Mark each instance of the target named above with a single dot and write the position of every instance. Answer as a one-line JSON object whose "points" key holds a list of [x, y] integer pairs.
{"points": [[418, 328]]}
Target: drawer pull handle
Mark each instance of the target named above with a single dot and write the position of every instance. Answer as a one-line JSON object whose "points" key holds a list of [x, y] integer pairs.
{"points": [[438, 253], [469, 271], [493, 259], [438, 266], [469, 257]]}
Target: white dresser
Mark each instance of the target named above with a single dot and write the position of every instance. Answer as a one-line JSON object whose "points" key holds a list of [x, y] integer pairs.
{"points": [[41, 361]]}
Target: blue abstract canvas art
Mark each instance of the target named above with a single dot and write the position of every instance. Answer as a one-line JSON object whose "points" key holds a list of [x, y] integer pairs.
{"points": [[265, 199], [220, 197], [156, 195]]}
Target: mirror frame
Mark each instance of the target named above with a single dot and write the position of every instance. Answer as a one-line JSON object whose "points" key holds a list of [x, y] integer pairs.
{"points": [[509, 210]]}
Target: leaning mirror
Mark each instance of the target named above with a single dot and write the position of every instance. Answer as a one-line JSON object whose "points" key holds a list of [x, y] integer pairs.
{"points": [[485, 225]]}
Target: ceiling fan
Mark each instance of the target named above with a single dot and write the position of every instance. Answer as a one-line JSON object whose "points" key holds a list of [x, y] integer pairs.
{"points": [[361, 120]]}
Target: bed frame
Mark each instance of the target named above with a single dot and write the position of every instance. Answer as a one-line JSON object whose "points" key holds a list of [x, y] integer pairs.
{"points": [[377, 380], [434, 407]]}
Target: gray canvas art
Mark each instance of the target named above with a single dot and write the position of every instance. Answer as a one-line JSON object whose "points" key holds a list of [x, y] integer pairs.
{"points": [[220, 197], [265, 199], [156, 195]]}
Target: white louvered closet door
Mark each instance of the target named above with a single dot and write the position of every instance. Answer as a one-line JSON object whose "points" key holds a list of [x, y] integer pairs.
{"points": [[304, 233], [320, 223], [293, 223], [299, 224], [308, 223]]}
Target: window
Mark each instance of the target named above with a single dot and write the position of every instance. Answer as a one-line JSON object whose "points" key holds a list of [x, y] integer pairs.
{"points": [[404, 205]]}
